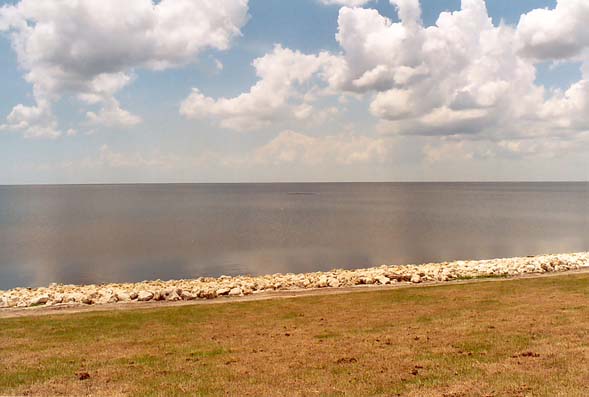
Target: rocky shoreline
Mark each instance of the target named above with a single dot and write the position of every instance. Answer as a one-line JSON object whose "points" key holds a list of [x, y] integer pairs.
{"points": [[225, 286]]}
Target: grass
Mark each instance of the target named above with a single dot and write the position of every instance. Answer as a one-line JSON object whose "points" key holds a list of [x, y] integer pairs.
{"points": [[527, 337]]}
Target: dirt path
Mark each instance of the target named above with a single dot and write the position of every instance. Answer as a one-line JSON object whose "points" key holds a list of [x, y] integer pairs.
{"points": [[287, 294]]}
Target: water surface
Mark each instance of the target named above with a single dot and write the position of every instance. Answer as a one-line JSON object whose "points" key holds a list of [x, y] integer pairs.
{"points": [[109, 233]]}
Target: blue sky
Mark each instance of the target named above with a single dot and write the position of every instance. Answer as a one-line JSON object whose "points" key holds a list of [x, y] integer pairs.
{"points": [[309, 128]]}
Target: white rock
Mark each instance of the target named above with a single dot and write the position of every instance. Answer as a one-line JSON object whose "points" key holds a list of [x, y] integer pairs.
{"points": [[383, 280], [207, 293], [144, 296], [59, 298], [39, 300], [322, 282], [223, 291], [122, 296], [187, 296], [333, 282], [235, 291], [75, 297], [416, 278], [366, 280], [173, 297]]}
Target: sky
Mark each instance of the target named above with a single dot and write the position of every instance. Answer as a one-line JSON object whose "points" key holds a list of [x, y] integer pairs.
{"points": [[147, 91]]}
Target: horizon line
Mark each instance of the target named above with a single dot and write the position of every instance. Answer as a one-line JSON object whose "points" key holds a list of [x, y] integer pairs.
{"points": [[281, 183]]}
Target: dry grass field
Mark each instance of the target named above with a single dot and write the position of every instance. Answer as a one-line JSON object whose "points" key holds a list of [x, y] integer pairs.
{"points": [[526, 337]]}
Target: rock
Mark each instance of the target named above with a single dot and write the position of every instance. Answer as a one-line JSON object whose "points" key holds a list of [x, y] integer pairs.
{"points": [[75, 297], [207, 294], [144, 296], [173, 296], [398, 277], [171, 291], [223, 291], [187, 296], [333, 282], [122, 296], [39, 300], [59, 298], [235, 291], [209, 288], [107, 298]]}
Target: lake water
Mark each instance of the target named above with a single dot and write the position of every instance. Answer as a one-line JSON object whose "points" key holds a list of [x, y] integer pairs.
{"points": [[110, 233]]}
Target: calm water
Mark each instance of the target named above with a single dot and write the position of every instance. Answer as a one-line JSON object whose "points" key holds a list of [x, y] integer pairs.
{"points": [[94, 234]]}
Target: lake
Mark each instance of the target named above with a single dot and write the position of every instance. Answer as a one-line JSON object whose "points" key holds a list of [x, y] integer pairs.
{"points": [[86, 234]]}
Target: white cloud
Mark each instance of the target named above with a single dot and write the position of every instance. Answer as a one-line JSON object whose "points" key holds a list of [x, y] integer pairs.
{"points": [[465, 77], [568, 110], [462, 77], [112, 115], [291, 147], [438, 79], [34, 121], [467, 84], [89, 48], [409, 10], [286, 87], [559, 33], [448, 149]]}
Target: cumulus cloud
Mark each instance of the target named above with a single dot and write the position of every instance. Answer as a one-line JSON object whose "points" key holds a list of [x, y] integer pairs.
{"points": [[466, 77], [468, 84], [291, 147], [559, 33], [462, 77], [112, 115], [286, 88], [89, 48], [36, 121]]}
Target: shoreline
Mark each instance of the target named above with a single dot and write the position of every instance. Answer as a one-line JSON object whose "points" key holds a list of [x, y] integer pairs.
{"points": [[58, 296]]}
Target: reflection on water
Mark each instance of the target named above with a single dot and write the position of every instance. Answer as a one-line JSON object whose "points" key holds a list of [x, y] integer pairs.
{"points": [[97, 233]]}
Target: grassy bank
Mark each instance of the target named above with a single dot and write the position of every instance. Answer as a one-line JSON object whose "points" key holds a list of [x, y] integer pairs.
{"points": [[505, 338]]}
